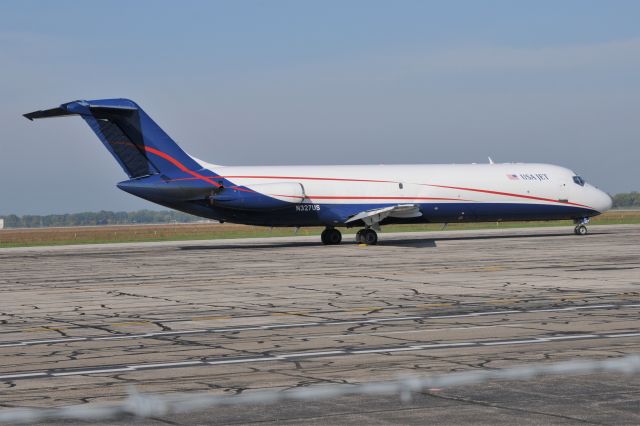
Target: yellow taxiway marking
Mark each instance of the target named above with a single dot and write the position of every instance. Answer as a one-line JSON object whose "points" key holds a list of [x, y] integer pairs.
{"points": [[492, 268]]}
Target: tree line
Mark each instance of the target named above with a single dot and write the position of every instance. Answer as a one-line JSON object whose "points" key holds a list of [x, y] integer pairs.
{"points": [[624, 200], [98, 218]]}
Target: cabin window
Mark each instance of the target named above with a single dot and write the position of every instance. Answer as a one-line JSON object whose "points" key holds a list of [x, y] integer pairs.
{"points": [[578, 180]]}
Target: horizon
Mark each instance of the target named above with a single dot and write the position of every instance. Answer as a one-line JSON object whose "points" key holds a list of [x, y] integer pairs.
{"points": [[158, 208]]}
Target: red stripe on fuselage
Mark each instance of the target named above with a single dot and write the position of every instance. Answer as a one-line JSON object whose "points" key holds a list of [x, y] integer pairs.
{"points": [[486, 191], [181, 166], [507, 194], [307, 178]]}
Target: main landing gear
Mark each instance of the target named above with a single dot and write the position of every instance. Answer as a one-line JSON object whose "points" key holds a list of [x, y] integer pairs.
{"points": [[581, 226], [367, 236], [331, 236]]}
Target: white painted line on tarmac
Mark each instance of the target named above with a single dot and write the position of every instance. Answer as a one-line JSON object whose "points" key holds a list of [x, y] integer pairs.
{"points": [[623, 335], [41, 342], [411, 331], [497, 313], [398, 319], [597, 306], [444, 345], [105, 370], [345, 322], [450, 316], [384, 350], [71, 339], [177, 332], [302, 324], [127, 336], [553, 310], [574, 336], [20, 376], [319, 354], [309, 324], [232, 330], [303, 354], [513, 342], [245, 360], [377, 351], [166, 364]]}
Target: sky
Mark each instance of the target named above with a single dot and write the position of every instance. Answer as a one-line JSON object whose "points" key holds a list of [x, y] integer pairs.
{"points": [[319, 82]]}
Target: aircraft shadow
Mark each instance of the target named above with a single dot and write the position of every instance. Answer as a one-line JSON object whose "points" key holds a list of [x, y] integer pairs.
{"points": [[403, 242], [411, 243], [431, 242], [254, 246]]}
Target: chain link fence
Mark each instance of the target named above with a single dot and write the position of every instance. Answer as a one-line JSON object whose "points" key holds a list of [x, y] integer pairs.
{"points": [[143, 405]]}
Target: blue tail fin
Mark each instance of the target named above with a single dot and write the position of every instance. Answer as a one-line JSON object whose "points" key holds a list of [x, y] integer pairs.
{"points": [[139, 145]]}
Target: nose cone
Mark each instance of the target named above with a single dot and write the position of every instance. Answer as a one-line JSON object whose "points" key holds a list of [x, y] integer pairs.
{"points": [[602, 202]]}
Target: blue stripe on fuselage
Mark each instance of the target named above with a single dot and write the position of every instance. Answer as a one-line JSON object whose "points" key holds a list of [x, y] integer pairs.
{"points": [[337, 214]]}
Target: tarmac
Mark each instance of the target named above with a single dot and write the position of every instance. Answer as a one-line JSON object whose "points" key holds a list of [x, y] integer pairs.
{"points": [[82, 324]]}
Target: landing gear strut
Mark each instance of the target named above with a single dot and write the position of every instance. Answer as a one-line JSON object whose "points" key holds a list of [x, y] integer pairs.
{"points": [[331, 236], [367, 236], [581, 226]]}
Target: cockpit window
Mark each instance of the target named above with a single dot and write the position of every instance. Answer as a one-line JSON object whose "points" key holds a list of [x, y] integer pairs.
{"points": [[578, 180]]}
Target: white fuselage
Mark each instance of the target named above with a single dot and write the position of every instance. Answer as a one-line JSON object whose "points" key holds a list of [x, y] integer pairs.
{"points": [[511, 183]]}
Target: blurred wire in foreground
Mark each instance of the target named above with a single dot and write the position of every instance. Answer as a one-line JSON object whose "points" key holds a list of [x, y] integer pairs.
{"points": [[142, 405]]}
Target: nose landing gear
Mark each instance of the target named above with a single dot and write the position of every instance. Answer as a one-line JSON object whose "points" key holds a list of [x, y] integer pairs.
{"points": [[581, 230], [581, 226]]}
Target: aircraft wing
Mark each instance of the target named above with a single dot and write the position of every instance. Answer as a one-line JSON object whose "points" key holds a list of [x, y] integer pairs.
{"points": [[375, 216]]}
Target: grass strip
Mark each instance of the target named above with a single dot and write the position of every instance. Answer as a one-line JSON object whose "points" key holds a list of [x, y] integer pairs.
{"points": [[209, 231]]}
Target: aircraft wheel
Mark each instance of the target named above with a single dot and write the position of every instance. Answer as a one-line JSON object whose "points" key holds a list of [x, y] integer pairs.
{"points": [[359, 238], [581, 230], [331, 236], [369, 237]]}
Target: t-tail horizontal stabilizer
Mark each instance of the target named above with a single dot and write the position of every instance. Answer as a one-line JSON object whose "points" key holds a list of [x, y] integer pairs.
{"points": [[139, 145]]}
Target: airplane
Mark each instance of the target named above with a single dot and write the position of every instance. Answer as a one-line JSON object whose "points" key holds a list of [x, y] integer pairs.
{"points": [[363, 196]]}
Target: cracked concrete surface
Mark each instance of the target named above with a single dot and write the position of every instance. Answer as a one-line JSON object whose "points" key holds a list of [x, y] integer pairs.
{"points": [[80, 315]]}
